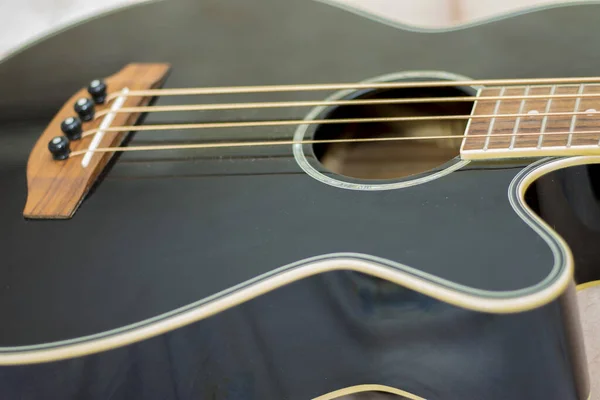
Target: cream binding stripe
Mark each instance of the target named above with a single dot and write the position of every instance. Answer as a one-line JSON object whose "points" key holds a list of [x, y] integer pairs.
{"points": [[587, 285], [368, 388], [437, 288]]}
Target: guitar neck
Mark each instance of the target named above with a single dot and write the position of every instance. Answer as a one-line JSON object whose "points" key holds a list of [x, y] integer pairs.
{"points": [[534, 121]]}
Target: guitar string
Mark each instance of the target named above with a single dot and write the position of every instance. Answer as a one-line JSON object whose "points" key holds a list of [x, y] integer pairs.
{"points": [[240, 124], [302, 142], [343, 86], [285, 104], [280, 88]]}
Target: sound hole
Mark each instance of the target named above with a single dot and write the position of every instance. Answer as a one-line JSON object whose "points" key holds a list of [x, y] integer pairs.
{"points": [[393, 159]]}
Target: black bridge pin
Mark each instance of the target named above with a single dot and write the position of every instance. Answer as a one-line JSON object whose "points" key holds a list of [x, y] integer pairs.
{"points": [[97, 89], [84, 107], [59, 148], [71, 127]]}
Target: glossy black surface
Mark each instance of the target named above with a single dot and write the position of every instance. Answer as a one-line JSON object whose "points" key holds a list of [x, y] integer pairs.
{"points": [[569, 200], [319, 335], [233, 215], [165, 230]]}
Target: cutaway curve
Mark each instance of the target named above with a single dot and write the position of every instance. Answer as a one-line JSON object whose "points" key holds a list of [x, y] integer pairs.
{"points": [[400, 274], [469, 298], [403, 275]]}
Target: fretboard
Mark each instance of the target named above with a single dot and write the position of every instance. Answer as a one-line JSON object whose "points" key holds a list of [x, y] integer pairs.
{"points": [[554, 120]]}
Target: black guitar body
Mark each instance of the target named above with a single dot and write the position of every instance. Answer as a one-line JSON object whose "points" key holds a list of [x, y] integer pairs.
{"points": [[119, 297]]}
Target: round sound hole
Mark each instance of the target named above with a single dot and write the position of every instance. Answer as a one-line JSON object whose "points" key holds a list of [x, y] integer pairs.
{"points": [[386, 160]]}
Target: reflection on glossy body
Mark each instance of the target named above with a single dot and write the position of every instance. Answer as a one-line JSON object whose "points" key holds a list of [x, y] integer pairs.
{"points": [[322, 334], [177, 227]]}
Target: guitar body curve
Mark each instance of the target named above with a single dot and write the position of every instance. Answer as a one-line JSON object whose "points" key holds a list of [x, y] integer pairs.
{"points": [[165, 241]]}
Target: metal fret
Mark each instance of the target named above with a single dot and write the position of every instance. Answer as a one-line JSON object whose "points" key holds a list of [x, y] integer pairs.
{"points": [[468, 127], [493, 120], [545, 119], [574, 118], [513, 139], [534, 128]]}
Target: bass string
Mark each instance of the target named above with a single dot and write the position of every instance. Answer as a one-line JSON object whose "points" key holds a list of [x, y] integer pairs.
{"points": [[302, 142], [319, 87], [240, 124], [317, 103], [345, 86]]}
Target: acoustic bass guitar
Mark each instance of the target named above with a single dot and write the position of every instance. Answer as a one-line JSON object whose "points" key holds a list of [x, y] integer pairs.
{"points": [[293, 200]]}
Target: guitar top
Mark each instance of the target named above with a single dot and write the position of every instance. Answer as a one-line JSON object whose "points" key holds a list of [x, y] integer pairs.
{"points": [[145, 242]]}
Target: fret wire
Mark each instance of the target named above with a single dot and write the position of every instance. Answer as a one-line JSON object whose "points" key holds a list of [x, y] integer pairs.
{"points": [[574, 118], [513, 139], [545, 119], [493, 120], [473, 111]]}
